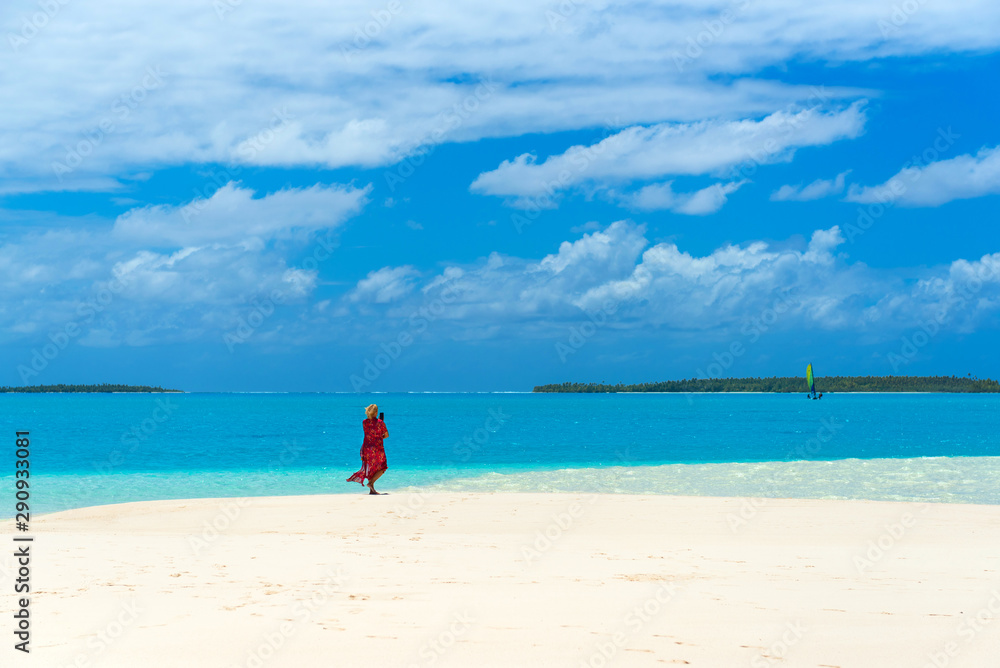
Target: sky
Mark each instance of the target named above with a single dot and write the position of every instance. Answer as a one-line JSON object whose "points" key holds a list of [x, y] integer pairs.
{"points": [[230, 195]]}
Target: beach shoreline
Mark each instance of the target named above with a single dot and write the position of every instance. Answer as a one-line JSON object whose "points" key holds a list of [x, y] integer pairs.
{"points": [[435, 578], [938, 479]]}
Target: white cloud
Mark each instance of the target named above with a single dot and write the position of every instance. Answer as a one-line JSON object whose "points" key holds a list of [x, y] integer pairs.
{"points": [[154, 276], [504, 291], [661, 288], [212, 275], [611, 250], [707, 147], [119, 294], [384, 285], [232, 215], [661, 196], [672, 288], [199, 292], [818, 189], [956, 297], [237, 89], [962, 177]]}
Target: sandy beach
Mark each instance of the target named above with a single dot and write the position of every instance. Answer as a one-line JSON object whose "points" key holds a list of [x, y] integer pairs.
{"points": [[469, 579]]}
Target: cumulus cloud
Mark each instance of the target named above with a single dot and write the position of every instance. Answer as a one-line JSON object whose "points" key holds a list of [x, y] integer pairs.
{"points": [[658, 286], [963, 177], [169, 273], [213, 275], [818, 189], [611, 249], [662, 288], [200, 292], [233, 89], [956, 296], [117, 294], [384, 285], [233, 215], [503, 291], [661, 196], [672, 288], [640, 152]]}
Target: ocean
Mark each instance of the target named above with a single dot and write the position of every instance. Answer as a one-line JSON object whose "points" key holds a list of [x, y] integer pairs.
{"points": [[95, 449]]}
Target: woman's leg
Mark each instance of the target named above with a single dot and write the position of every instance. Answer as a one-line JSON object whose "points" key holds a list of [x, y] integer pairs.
{"points": [[371, 481]]}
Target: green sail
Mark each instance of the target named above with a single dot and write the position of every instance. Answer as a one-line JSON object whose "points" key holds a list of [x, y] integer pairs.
{"points": [[809, 378]]}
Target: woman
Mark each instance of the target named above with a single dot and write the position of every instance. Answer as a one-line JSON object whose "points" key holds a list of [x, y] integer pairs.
{"points": [[373, 463]]}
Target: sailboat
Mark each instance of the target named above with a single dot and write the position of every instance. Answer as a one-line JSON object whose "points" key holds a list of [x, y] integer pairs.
{"points": [[811, 394]]}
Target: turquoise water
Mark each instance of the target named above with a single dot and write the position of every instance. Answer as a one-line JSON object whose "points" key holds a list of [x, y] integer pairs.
{"points": [[97, 448]]}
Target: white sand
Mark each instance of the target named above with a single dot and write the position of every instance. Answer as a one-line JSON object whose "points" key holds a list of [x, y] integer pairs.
{"points": [[452, 579]]}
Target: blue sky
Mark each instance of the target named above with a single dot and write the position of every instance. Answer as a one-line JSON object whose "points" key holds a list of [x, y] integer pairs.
{"points": [[382, 196]]}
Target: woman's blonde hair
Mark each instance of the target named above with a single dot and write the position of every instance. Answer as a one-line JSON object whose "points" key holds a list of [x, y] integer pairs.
{"points": [[371, 411]]}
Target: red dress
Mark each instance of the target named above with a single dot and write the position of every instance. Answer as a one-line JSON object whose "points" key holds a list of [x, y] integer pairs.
{"points": [[372, 452]]}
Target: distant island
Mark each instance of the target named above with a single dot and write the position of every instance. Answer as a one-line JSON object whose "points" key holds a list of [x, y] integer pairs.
{"points": [[103, 387], [793, 384]]}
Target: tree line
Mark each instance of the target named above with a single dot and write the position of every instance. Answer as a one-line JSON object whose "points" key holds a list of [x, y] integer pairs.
{"points": [[792, 384], [102, 387]]}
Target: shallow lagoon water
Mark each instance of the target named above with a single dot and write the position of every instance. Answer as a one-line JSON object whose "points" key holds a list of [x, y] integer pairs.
{"points": [[93, 449]]}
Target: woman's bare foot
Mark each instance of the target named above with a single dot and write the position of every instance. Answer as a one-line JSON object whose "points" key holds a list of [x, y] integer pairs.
{"points": [[372, 489]]}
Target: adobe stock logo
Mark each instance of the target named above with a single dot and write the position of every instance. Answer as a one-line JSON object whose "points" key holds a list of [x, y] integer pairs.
{"points": [[30, 27]]}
